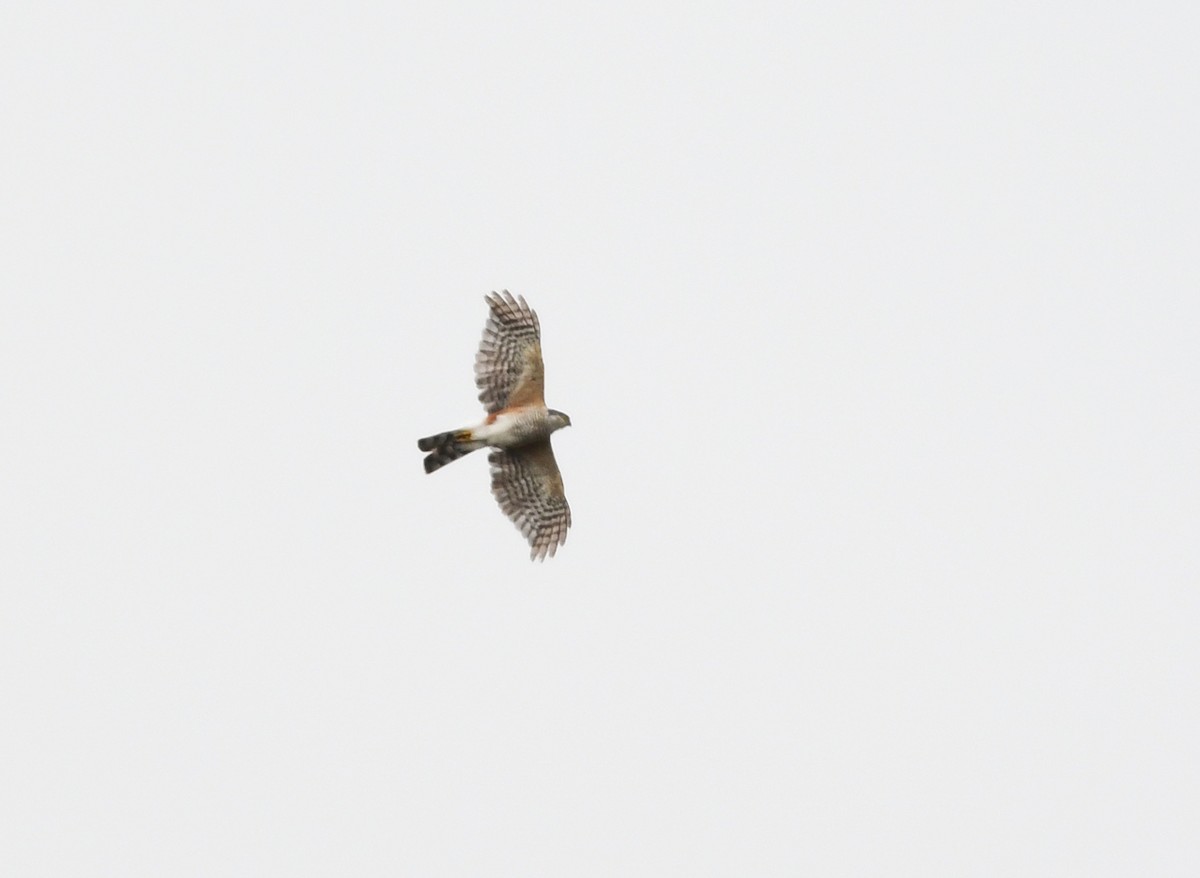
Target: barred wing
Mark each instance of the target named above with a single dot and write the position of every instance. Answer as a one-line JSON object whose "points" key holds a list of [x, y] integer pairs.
{"points": [[529, 489], [508, 367]]}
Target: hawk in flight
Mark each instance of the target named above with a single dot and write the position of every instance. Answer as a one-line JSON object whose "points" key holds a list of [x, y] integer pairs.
{"points": [[525, 476]]}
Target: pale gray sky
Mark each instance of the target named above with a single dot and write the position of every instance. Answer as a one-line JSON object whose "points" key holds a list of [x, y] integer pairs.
{"points": [[878, 326]]}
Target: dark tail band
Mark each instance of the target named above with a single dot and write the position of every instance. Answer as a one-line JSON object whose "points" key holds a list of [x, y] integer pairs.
{"points": [[447, 447]]}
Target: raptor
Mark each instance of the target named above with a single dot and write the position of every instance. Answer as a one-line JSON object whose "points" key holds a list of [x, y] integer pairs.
{"points": [[525, 477]]}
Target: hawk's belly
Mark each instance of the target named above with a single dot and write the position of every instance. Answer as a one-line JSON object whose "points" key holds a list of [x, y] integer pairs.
{"points": [[512, 429]]}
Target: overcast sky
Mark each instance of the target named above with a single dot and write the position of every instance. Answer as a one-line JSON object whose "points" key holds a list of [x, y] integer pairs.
{"points": [[878, 327]]}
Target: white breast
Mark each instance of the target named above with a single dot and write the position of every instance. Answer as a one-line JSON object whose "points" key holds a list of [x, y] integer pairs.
{"points": [[514, 428]]}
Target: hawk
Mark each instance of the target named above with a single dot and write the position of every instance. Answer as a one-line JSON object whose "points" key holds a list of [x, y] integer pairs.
{"points": [[525, 477]]}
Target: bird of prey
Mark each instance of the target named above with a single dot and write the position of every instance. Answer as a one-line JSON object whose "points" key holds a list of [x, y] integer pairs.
{"points": [[525, 477]]}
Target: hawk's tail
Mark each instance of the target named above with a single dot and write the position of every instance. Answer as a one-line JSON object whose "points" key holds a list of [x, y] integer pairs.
{"points": [[447, 447]]}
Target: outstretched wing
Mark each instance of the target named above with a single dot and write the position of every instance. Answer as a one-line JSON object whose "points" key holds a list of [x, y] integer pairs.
{"points": [[508, 367], [529, 489]]}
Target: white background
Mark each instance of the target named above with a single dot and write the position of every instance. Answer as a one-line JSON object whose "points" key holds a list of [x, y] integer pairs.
{"points": [[878, 326]]}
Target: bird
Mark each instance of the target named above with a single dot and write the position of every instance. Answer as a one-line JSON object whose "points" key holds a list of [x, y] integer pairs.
{"points": [[509, 373]]}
